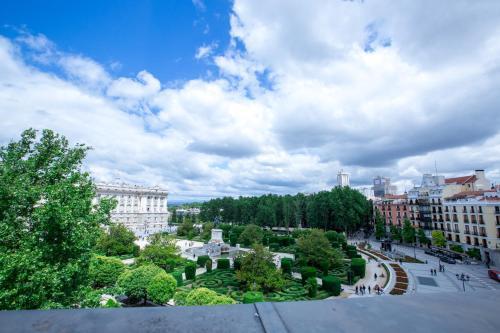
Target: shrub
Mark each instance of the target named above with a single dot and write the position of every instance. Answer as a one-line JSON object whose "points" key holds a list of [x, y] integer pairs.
{"points": [[104, 271], [237, 263], [111, 303], [312, 286], [274, 246], [178, 277], [335, 245], [332, 284], [202, 260], [307, 272], [286, 265], [324, 265], [90, 298], [331, 235], [190, 271], [474, 253], [208, 265], [204, 296], [223, 263], [252, 297], [161, 288], [285, 241], [358, 266], [180, 297], [136, 281], [456, 248]]}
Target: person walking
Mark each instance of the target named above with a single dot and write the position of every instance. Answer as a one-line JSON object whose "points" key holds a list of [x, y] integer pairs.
{"points": [[369, 290], [356, 290], [375, 276]]}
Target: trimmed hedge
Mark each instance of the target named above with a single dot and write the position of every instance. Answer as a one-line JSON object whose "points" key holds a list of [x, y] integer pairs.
{"points": [[312, 286], [324, 266], [178, 277], [286, 265], [202, 260], [332, 284], [190, 271], [223, 263], [335, 245], [358, 266], [237, 263], [307, 272], [252, 297], [208, 265]]}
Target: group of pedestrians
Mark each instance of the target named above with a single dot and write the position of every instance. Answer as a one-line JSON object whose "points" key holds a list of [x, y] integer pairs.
{"points": [[441, 268], [361, 290]]}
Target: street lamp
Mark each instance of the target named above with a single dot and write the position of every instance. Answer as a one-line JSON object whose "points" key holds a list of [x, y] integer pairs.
{"points": [[464, 278]]}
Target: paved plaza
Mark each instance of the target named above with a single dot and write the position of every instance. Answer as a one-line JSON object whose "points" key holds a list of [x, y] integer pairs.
{"points": [[421, 280]]}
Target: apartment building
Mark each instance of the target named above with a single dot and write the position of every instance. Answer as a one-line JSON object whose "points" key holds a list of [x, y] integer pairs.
{"points": [[393, 208]]}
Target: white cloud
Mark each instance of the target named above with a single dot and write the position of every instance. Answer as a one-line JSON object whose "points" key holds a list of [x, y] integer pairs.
{"points": [[373, 87]]}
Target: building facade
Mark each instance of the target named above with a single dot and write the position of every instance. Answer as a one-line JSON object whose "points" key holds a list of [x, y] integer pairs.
{"points": [[382, 186], [143, 210], [393, 208], [343, 179]]}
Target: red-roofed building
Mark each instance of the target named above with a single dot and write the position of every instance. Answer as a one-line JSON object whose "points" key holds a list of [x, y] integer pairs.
{"points": [[393, 208]]}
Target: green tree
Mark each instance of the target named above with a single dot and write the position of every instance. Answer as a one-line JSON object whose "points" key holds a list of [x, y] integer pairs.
{"points": [[250, 235], [438, 238], [161, 288], [379, 225], [204, 296], [258, 272], [395, 233], [135, 282], [48, 221], [408, 232], [162, 251], [314, 249], [104, 271], [118, 241], [422, 238]]}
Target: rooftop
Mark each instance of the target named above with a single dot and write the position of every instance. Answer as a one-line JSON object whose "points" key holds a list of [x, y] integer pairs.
{"points": [[465, 312]]}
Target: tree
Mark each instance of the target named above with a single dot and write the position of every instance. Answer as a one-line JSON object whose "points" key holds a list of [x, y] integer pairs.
{"points": [[258, 272], [314, 249], [379, 225], [207, 231], [48, 221], [162, 251], [204, 296], [422, 238], [186, 228], [118, 241], [395, 233], [408, 232], [135, 282], [250, 235], [104, 271], [438, 238], [161, 288]]}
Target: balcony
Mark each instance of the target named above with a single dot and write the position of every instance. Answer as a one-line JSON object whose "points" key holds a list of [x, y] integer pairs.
{"points": [[467, 232]]}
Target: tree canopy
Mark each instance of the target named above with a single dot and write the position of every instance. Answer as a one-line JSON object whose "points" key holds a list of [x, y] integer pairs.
{"points": [[48, 221], [342, 209]]}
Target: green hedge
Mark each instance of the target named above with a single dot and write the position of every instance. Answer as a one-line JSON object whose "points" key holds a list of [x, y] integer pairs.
{"points": [[190, 271], [223, 263], [237, 263], [178, 277], [252, 297], [286, 265], [332, 284], [274, 246], [208, 265], [307, 272], [312, 286], [201, 261], [335, 245], [358, 266]]}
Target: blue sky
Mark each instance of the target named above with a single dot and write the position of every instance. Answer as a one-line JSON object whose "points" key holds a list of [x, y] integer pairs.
{"points": [[245, 97], [162, 36]]}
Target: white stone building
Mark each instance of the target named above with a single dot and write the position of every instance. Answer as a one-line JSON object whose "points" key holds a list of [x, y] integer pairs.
{"points": [[142, 210], [343, 179]]}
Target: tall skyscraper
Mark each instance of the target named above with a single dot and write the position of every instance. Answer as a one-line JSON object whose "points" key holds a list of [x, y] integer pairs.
{"points": [[343, 179]]}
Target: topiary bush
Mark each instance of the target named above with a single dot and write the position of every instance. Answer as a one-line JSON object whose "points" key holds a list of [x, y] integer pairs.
{"points": [[312, 286], [136, 281], [201, 261], [307, 272], [104, 271], [358, 266], [161, 288], [237, 263], [274, 246], [252, 297], [190, 271], [286, 265], [331, 284], [335, 245], [204, 296], [178, 277], [208, 265], [223, 263], [324, 266]]}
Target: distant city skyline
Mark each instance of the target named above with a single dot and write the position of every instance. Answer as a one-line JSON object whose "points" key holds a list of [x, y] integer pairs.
{"points": [[208, 99]]}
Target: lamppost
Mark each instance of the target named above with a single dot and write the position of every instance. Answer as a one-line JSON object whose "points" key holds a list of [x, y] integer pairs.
{"points": [[464, 278]]}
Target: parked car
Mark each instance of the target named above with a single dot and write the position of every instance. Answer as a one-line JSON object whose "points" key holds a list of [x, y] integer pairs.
{"points": [[494, 274], [448, 260], [430, 252]]}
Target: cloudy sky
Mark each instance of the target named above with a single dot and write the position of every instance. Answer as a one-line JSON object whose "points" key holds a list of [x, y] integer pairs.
{"points": [[211, 98]]}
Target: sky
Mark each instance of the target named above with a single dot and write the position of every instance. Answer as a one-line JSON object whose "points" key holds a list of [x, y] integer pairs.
{"points": [[246, 97]]}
